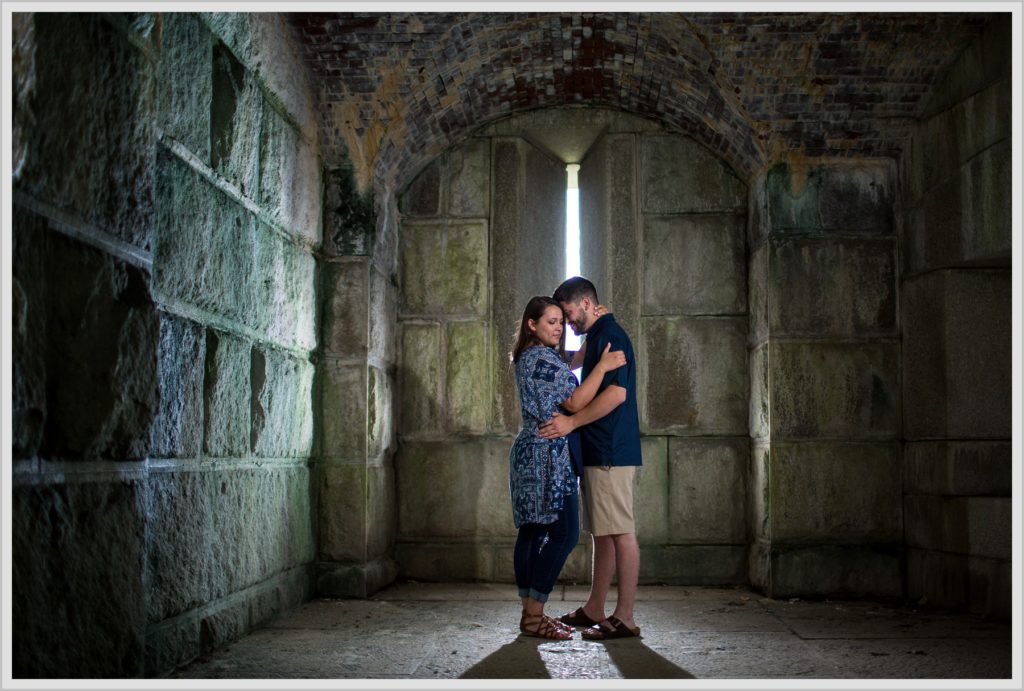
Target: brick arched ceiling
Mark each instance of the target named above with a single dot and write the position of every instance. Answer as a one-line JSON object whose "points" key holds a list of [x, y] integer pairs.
{"points": [[396, 89]]}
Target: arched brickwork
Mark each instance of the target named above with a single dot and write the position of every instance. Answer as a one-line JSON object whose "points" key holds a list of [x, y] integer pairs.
{"points": [[396, 89]]}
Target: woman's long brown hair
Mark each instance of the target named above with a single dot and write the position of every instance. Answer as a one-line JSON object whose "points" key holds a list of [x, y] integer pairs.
{"points": [[523, 337]]}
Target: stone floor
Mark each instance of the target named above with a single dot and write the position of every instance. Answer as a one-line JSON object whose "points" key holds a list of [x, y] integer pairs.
{"points": [[435, 632]]}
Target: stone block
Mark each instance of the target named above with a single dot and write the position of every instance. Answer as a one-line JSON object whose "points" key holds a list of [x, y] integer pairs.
{"points": [[759, 406], [346, 307], [757, 299], [171, 644], [707, 490], [289, 177], [343, 406], [454, 490], [380, 419], [836, 390], [985, 586], [356, 512], [186, 82], [836, 571], [355, 581], [67, 589], [595, 182], [759, 504], [651, 508], [681, 176], [835, 492], [281, 291], [180, 559], [956, 355], [85, 124], [226, 623], [445, 562], [281, 404], [349, 214], [422, 402], [422, 197], [978, 526], [236, 121], [444, 269], [506, 415], [261, 524], [94, 339], [694, 565], [226, 394], [958, 468], [280, 595], [178, 424], [836, 287], [383, 310], [621, 287], [469, 178], [694, 265], [693, 375], [966, 219], [849, 197], [467, 395]]}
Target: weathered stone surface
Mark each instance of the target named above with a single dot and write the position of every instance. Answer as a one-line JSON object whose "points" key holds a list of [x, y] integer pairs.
{"points": [[382, 340], [179, 549], [171, 644], [956, 355], [467, 395], [759, 503], [343, 403], [836, 390], [757, 300], [420, 374], [469, 179], [262, 524], [445, 561], [85, 120], [979, 526], [848, 197], [966, 219], [693, 375], [282, 412], [355, 581], [682, 176], [346, 306], [95, 339], [67, 588], [380, 419], [178, 424], [226, 394], [444, 269], [835, 492], [839, 570], [835, 287], [280, 594], [223, 625], [693, 565], [651, 508], [422, 197], [540, 235], [236, 120], [186, 82], [707, 487], [956, 580], [211, 253], [957, 468], [622, 283], [694, 265], [349, 215], [356, 503], [595, 183], [468, 495], [290, 185]]}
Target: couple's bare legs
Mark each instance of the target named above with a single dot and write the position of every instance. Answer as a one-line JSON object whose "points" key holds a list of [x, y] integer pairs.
{"points": [[613, 553]]}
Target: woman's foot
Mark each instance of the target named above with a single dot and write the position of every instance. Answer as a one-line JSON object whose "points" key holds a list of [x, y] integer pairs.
{"points": [[543, 626]]}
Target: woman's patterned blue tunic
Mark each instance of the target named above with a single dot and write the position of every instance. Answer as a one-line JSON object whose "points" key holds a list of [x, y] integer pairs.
{"points": [[540, 472]]}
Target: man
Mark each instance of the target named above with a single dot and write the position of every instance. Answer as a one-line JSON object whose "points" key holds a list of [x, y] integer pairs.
{"points": [[610, 440]]}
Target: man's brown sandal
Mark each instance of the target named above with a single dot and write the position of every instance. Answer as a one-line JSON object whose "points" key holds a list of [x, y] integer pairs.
{"points": [[612, 627], [545, 627], [577, 618]]}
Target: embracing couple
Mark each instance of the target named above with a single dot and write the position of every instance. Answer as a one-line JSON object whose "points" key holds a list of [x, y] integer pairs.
{"points": [[584, 435]]}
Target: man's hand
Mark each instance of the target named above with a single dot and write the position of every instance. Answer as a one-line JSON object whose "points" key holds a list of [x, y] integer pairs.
{"points": [[558, 426]]}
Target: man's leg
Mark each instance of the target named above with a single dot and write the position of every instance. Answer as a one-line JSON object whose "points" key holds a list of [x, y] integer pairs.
{"points": [[601, 576], [627, 564]]}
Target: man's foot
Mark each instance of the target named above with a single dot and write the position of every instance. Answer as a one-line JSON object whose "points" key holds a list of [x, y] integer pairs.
{"points": [[577, 618], [612, 627]]}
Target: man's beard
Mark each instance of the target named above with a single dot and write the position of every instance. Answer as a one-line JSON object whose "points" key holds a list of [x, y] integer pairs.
{"points": [[577, 326]]}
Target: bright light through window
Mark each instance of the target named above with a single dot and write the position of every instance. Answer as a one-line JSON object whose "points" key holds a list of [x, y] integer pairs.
{"points": [[572, 239]]}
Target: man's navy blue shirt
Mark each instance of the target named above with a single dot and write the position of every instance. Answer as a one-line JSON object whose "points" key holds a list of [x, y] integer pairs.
{"points": [[615, 438]]}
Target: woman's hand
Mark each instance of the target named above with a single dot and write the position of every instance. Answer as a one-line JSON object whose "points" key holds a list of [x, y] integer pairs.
{"points": [[558, 426], [611, 359], [600, 310]]}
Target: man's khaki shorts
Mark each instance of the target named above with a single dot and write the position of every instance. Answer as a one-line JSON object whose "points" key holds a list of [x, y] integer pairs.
{"points": [[607, 500]]}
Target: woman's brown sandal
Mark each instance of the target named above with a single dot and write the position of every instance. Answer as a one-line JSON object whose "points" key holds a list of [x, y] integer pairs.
{"points": [[545, 627]]}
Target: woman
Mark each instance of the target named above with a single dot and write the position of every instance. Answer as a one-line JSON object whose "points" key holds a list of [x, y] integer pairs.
{"points": [[542, 481]]}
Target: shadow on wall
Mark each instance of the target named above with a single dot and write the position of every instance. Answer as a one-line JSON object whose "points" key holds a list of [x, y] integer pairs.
{"points": [[528, 658]]}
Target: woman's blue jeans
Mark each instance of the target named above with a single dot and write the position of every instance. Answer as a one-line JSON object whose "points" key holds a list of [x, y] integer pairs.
{"points": [[542, 548]]}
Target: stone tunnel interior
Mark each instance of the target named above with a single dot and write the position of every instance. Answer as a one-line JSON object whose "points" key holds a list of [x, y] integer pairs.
{"points": [[265, 268]]}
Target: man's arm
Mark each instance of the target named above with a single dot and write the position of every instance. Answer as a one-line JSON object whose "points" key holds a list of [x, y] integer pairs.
{"points": [[605, 402]]}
